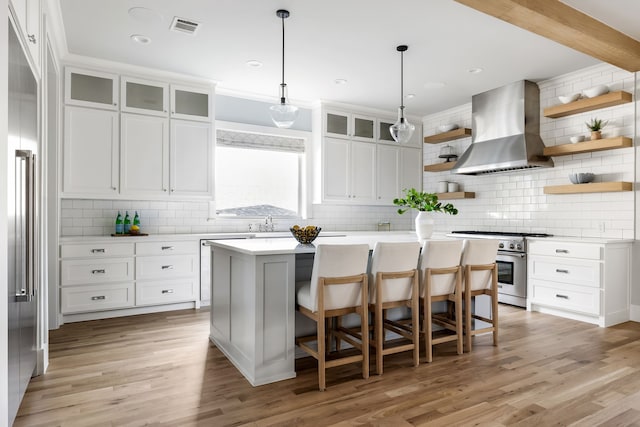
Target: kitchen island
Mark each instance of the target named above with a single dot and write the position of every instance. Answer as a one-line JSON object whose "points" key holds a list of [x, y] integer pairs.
{"points": [[253, 299]]}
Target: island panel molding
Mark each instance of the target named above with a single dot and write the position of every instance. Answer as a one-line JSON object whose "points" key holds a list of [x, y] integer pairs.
{"points": [[588, 146], [588, 104], [447, 136]]}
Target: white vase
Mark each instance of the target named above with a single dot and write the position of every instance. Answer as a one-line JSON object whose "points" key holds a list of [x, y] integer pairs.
{"points": [[424, 225]]}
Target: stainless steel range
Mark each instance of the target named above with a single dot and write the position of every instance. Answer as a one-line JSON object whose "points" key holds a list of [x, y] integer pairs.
{"points": [[511, 260]]}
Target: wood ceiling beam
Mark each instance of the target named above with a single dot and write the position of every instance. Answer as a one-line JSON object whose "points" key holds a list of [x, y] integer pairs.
{"points": [[563, 24]]}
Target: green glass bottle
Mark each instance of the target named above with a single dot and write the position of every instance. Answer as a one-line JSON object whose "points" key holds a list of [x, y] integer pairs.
{"points": [[136, 219], [119, 224], [127, 223]]}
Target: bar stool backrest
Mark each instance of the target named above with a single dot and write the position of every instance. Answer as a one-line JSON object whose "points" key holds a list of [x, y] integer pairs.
{"points": [[440, 254], [338, 261], [393, 257], [479, 252]]}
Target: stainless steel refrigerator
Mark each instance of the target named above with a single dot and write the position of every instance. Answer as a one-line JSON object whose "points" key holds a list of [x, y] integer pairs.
{"points": [[22, 216]]}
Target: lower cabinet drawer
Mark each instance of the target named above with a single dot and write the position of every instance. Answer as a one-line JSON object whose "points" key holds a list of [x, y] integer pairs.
{"points": [[85, 271], [578, 272], [165, 267], [77, 299], [581, 299], [165, 292]]}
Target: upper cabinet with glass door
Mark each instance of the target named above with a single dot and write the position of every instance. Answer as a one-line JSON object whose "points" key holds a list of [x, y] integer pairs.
{"points": [[339, 124], [191, 103], [87, 88], [144, 96]]}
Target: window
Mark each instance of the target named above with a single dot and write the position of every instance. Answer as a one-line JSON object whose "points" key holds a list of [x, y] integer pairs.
{"points": [[258, 175]]}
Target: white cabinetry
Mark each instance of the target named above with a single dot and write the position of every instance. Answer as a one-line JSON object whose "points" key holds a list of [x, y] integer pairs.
{"points": [[87, 88], [144, 96], [144, 159], [152, 154], [359, 127], [90, 153], [96, 277], [28, 18], [190, 103], [361, 164], [585, 281], [99, 279], [191, 159], [349, 171], [166, 272]]}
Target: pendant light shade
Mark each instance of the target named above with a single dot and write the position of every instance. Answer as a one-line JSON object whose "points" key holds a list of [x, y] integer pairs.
{"points": [[401, 130], [283, 114]]}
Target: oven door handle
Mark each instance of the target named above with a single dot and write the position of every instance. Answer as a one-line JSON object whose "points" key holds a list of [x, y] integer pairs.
{"points": [[512, 254]]}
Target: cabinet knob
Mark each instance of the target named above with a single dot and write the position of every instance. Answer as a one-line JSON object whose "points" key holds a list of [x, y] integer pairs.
{"points": [[164, 189], [114, 188], [32, 38], [173, 189]]}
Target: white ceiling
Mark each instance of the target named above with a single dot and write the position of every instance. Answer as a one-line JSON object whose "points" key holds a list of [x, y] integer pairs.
{"points": [[335, 39]]}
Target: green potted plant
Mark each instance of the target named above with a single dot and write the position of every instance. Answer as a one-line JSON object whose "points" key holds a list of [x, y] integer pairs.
{"points": [[595, 125], [423, 202]]}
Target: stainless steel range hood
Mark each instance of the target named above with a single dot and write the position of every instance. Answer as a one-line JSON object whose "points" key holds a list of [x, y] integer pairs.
{"points": [[506, 128]]}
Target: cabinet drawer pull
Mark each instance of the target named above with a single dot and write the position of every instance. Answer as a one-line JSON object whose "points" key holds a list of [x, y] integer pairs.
{"points": [[167, 248], [167, 291], [97, 251], [562, 270], [562, 296], [167, 267], [98, 298], [562, 251], [101, 271]]}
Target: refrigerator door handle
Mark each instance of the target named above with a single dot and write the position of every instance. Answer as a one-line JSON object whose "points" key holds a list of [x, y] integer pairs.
{"points": [[28, 158]]}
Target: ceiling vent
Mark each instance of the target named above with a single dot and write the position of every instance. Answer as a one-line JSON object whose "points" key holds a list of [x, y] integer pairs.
{"points": [[184, 25]]}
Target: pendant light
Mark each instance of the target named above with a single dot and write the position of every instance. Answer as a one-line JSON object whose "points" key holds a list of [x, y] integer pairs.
{"points": [[401, 130], [283, 114]]}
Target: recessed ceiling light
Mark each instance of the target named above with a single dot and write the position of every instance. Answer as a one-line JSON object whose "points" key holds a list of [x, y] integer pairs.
{"points": [[434, 85], [139, 38], [410, 95], [475, 70], [252, 63], [340, 81]]}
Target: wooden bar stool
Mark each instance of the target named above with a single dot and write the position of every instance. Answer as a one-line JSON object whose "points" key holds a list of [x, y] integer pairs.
{"points": [[441, 281], [338, 287], [394, 283], [480, 277]]}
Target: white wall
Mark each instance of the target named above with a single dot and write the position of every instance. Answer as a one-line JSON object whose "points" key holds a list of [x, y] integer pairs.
{"points": [[4, 324], [515, 201]]}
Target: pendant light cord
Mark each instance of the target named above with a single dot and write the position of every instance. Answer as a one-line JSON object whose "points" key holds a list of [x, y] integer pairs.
{"points": [[402, 81], [283, 49]]}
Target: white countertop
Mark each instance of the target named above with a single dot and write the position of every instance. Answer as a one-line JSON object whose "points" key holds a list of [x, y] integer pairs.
{"points": [[261, 246], [599, 240]]}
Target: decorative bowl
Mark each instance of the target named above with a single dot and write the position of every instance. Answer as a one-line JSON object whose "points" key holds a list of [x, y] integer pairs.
{"points": [[305, 235], [581, 178], [596, 91], [576, 139], [569, 98], [447, 128]]}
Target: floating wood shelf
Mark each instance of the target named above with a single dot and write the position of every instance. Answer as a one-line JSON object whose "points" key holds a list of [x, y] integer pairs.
{"points": [[447, 136], [592, 187], [588, 104], [588, 146], [439, 167], [456, 195]]}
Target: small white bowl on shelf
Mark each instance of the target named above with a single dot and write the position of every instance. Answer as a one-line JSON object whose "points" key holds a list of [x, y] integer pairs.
{"points": [[576, 139], [581, 178], [596, 91], [565, 99], [447, 128]]}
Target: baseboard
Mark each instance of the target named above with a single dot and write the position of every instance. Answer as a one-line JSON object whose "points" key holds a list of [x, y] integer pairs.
{"points": [[634, 313]]}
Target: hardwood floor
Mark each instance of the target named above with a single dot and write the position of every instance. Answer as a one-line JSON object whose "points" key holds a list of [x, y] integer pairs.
{"points": [[160, 369]]}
